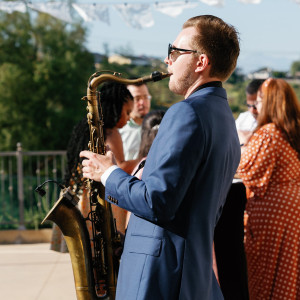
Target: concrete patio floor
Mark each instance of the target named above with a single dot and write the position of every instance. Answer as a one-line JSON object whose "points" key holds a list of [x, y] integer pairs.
{"points": [[34, 272]]}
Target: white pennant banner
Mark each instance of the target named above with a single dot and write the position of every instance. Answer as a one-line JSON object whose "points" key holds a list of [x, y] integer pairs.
{"points": [[213, 2], [250, 1], [92, 12], [59, 10], [173, 9], [10, 6], [136, 15]]}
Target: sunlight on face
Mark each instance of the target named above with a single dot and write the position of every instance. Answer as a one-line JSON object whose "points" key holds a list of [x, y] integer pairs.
{"points": [[142, 100], [258, 102], [125, 114]]}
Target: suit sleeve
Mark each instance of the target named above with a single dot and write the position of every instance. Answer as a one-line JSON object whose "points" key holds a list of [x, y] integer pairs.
{"points": [[172, 162]]}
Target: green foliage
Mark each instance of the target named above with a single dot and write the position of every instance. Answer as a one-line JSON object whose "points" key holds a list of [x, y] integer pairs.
{"points": [[295, 67], [44, 69], [236, 77], [296, 88], [279, 74], [35, 206]]}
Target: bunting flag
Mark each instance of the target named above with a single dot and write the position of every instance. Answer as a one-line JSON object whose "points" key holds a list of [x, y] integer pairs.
{"points": [[173, 9], [94, 12], [10, 7], [250, 1], [59, 10], [213, 2], [135, 15]]}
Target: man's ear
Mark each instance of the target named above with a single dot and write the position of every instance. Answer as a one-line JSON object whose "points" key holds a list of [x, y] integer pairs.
{"points": [[202, 63]]}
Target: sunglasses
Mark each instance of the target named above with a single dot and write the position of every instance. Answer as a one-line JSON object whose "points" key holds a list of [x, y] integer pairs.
{"points": [[251, 105], [174, 52]]}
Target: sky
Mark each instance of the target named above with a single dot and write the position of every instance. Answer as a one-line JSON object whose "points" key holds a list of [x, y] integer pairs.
{"points": [[269, 31]]}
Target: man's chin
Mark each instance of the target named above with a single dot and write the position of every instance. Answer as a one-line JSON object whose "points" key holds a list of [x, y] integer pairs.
{"points": [[142, 114]]}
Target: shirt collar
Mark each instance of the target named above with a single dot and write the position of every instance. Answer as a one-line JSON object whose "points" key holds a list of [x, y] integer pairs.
{"points": [[208, 84]]}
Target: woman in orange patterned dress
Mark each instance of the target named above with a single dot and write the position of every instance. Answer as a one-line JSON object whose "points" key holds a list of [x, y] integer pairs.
{"points": [[270, 169]]}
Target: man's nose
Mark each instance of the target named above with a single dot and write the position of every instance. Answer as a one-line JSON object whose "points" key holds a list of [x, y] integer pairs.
{"points": [[167, 60], [140, 101]]}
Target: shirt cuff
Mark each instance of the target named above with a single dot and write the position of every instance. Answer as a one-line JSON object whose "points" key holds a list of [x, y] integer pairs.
{"points": [[106, 174]]}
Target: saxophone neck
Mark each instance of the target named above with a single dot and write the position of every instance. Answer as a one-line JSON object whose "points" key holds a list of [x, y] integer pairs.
{"points": [[155, 76], [94, 116], [97, 79]]}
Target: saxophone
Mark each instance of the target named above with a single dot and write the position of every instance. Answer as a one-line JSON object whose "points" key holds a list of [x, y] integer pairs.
{"points": [[93, 261]]}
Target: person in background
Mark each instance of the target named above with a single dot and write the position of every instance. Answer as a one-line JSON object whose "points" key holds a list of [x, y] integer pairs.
{"points": [[78, 141], [246, 121], [229, 245], [150, 128], [229, 232], [131, 132], [189, 169], [116, 103], [270, 170]]}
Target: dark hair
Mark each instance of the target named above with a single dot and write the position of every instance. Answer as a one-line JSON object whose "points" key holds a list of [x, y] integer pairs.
{"points": [[78, 141], [112, 97], [150, 127], [219, 41], [253, 86]]}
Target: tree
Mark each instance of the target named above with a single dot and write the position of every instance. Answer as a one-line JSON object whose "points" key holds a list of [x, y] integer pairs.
{"points": [[295, 67], [279, 74], [44, 69], [236, 77]]}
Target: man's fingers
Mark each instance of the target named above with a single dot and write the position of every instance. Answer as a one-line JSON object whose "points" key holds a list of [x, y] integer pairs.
{"points": [[89, 154], [86, 153], [94, 165], [86, 169]]}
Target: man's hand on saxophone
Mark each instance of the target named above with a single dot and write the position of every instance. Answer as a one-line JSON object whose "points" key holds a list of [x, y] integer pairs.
{"points": [[96, 164]]}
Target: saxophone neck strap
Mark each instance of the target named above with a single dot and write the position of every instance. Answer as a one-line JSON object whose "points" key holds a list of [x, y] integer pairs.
{"points": [[141, 166]]}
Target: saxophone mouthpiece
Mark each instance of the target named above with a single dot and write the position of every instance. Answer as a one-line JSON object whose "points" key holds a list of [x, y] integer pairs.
{"points": [[156, 76]]}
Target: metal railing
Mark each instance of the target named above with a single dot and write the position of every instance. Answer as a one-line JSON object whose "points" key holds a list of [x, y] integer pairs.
{"points": [[20, 173]]}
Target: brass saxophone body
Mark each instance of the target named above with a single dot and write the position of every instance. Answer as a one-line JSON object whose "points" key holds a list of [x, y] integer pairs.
{"points": [[94, 267]]}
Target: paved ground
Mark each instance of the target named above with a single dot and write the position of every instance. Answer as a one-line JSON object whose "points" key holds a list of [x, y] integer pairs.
{"points": [[33, 272]]}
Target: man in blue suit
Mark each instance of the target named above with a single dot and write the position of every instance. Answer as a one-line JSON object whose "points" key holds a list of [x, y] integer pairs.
{"points": [[175, 206]]}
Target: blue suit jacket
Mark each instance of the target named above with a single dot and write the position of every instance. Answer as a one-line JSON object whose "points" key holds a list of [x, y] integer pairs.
{"points": [[189, 169]]}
